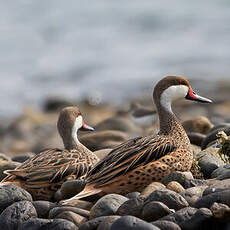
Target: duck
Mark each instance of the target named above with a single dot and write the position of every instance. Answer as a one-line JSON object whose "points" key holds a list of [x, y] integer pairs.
{"points": [[136, 163], [43, 174]]}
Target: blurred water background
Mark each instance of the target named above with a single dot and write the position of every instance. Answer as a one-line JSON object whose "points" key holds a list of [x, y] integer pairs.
{"points": [[108, 50]]}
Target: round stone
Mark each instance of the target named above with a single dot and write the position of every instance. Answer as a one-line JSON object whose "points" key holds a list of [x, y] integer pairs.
{"points": [[94, 223], [16, 214], [11, 193], [43, 207], [132, 223], [166, 225], [151, 188], [154, 210], [132, 207], [107, 205], [45, 224], [175, 186], [170, 198]]}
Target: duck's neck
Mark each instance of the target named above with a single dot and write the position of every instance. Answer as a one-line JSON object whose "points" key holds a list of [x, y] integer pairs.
{"points": [[71, 141], [169, 124]]}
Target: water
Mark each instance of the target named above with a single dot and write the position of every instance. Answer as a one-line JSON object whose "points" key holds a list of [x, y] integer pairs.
{"points": [[108, 50]]}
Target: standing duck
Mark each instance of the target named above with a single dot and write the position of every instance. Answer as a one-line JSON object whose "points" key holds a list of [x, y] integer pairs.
{"points": [[43, 174], [136, 163]]}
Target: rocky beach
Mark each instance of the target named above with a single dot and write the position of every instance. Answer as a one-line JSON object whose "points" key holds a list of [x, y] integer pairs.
{"points": [[198, 199]]}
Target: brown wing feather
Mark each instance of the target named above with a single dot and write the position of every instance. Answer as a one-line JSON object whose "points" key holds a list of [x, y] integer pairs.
{"points": [[51, 165], [128, 156]]}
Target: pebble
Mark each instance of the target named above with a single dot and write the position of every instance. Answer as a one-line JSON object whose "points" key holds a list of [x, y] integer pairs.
{"points": [[22, 157], [16, 214], [132, 223], [199, 124], [132, 207], [196, 138], [198, 221], [170, 198], [11, 193], [195, 183], [220, 211], [181, 215], [175, 186], [166, 225], [69, 189], [180, 177], [43, 207], [154, 210], [152, 187], [94, 223], [209, 161], [211, 137], [222, 172], [132, 195], [72, 217], [45, 224], [83, 204], [208, 200], [217, 187], [192, 194], [107, 205], [56, 211], [105, 225]]}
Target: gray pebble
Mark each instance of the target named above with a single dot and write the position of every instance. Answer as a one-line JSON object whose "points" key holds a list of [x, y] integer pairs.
{"points": [[132, 223], [198, 221], [22, 158], [45, 224], [170, 198], [94, 223], [166, 225], [154, 210], [192, 194], [106, 224], [132, 207], [16, 214], [209, 161], [181, 215], [221, 173], [57, 210], [11, 193], [43, 207], [208, 200], [217, 187], [180, 177], [107, 205], [72, 217]]}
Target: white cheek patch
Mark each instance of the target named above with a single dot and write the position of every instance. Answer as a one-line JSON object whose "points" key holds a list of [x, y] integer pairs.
{"points": [[77, 125], [172, 93]]}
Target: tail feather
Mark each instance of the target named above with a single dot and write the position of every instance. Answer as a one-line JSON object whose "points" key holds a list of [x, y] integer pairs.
{"points": [[17, 183], [88, 191]]}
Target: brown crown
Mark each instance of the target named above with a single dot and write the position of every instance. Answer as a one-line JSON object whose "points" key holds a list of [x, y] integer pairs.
{"points": [[166, 82], [66, 119]]}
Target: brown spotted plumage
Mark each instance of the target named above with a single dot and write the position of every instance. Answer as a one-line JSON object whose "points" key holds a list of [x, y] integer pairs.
{"points": [[138, 162], [43, 174]]}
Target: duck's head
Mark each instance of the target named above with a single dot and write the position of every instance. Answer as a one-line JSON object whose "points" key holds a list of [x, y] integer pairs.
{"points": [[70, 121], [172, 88]]}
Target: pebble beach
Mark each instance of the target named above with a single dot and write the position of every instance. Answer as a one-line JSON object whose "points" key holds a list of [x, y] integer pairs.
{"points": [[105, 57], [198, 199]]}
